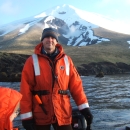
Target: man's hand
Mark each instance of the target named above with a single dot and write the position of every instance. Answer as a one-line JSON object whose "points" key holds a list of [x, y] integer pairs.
{"points": [[88, 116], [29, 124]]}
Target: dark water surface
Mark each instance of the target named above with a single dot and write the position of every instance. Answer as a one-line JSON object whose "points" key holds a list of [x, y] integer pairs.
{"points": [[109, 100]]}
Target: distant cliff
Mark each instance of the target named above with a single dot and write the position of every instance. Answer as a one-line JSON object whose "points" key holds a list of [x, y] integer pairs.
{"points": [[106, 68], [11, 66]]}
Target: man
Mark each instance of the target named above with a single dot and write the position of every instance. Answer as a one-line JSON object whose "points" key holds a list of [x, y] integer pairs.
{"points": [[46, 77]]}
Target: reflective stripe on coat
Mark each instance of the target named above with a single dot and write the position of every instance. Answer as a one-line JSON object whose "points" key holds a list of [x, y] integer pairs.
{"points": [[38, 74], [37, 68]]}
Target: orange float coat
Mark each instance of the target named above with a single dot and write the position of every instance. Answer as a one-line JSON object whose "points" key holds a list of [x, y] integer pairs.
{"points": [[9, 98], [52, 78]]}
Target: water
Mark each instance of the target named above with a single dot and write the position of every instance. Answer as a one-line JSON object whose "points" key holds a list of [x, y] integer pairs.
{"points": [[109, 100]]}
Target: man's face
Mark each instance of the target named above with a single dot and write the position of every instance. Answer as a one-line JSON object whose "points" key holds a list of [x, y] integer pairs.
{"points": [[49, 44]]}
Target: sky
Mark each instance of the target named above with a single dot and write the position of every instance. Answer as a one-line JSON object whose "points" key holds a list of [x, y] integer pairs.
{"points": [[13, 10]]}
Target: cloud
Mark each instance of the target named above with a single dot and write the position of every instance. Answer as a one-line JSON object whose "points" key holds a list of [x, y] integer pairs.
{"points": [[117, 11], [104, 2], [128, 2], [113, 2], [9, 8]]}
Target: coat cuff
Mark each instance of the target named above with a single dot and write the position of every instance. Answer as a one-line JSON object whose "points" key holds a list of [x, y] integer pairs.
{"points": [[26, 115], [82, 106]]}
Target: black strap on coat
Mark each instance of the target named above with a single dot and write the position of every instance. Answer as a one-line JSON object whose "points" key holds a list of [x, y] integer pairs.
{"points": [[41, 92]]}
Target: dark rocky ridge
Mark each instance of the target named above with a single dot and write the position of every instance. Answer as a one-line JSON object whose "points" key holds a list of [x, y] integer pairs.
{"points": [[106, 68], [11, 66]]}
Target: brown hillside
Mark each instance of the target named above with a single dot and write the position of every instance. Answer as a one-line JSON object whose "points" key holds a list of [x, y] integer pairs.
{"points": [[116, 50]]}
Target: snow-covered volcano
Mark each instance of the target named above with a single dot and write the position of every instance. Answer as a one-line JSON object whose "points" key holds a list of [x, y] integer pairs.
{"points": [[73, 24]]}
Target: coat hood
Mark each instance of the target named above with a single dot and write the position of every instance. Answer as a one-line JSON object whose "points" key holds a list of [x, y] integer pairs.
{"points": [[9, 98]]}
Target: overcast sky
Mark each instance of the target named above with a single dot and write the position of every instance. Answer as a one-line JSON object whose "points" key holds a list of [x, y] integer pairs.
{"points": [[12, 10]]}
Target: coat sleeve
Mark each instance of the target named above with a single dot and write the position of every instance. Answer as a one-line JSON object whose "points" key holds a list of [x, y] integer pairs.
{"points": [[76, 88], [27, 83]]}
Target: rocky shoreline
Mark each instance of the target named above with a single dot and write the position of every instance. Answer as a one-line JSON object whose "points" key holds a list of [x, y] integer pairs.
{"points": [[103, 68], [11, 66]]}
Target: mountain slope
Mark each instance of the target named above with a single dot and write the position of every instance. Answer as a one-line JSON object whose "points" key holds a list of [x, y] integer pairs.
{"points": [[73, 24], [93, 49], [75, 34]]}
